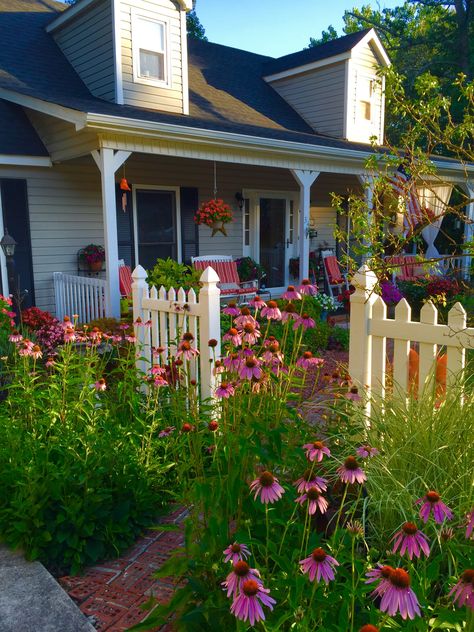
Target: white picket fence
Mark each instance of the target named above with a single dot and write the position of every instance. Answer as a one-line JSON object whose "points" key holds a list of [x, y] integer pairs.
{"points": [[370, 328], [172, 313], [81, 296]]}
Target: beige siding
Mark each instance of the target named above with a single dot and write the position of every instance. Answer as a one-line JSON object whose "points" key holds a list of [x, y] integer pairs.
{"points": [[364, 65], [169, 99], [87, 42], [318, 96]]}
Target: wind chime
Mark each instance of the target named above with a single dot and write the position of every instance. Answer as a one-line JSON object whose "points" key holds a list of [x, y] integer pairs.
{"points": [[125, 188]]}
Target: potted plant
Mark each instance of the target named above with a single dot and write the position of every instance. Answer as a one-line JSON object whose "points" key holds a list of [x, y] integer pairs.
{"points": [[93, 255], [214, 213], [250, 270]]}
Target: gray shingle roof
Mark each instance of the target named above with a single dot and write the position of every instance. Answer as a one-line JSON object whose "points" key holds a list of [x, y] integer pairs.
{"points": [[227, 92], [17, 135]]}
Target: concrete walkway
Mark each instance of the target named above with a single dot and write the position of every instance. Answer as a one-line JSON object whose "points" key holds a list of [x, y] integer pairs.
{"points": [[31, 600]]}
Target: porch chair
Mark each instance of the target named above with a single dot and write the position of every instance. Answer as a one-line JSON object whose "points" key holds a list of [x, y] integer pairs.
{"points": [[335, 279], [230, 284], [405, 268], [125, 281]]}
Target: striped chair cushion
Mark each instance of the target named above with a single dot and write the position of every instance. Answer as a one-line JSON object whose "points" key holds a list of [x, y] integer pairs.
{"points": [[125, 281], [228, 274], [332, 268]]}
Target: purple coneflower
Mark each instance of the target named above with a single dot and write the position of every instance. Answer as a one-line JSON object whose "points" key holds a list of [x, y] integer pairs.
{"points": [[272, 353], [380, 574], [268, 487], [69, 334], [25, 347], [166, 431], [186, 351], [218, 367], [232, 362], [250, 333], [315, 501], [250, 368], [231, 309], [307, 360], [366, 451], [319, 565], [100, 385], [350, 472], [240, 572], [307, 288], [36, 352], [431, 502], [304, 321], [469, 523], [271, 311], [353, 394], [410, 540], [225, 390], [244, 318], [236, 552], [463, 590], [158, 351], [131, 338], [257, 302], [15, 336], [315, 451], [159, 380], [247, 607], [233, 336], [291, 294], [289, 312], [156, 369], [308, 480], [399, 597]]}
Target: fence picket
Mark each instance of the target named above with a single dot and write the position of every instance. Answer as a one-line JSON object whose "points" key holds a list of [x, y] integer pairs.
{"points": [[164, 342], [428, 351], [457, 318], [379, 351], [83, 296], [401, 348]]}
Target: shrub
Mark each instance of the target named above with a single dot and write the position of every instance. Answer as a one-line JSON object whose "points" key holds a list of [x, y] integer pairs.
{"points": [[169, 273], [34, 318], [249, 269]]}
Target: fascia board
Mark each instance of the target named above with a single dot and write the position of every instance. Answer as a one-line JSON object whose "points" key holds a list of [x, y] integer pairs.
{"points": [[298, 70], [58, 111]]}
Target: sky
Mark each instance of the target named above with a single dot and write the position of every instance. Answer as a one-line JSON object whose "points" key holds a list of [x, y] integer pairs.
{"points": [[274, 27]]}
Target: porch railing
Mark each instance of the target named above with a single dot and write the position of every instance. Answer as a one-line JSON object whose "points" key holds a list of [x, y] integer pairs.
{"points": [[81, 296]]}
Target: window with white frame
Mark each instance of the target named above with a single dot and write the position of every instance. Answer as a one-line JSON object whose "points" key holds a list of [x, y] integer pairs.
{"points": [[150, 55], [366, 90]]}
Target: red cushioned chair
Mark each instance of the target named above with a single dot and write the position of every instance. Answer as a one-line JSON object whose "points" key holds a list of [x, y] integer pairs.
{"points": [[125, 281], [335, 279], [230, 285]]}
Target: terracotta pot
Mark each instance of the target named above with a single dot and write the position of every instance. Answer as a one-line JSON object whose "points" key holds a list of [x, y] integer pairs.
{"points": [[95, 266]]}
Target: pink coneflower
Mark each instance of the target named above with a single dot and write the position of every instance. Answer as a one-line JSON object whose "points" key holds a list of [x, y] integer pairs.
{"points": [[304, 321], [50, 362], [350, 472], [271, 311], [244, 318], [308, 480], [233, 361], [218, 367], [225, 390], [469, 523], [315, 451], [315, 501], [267, 486], [131, 338], [100, 385], [156, 369], [159, 380], [289, 312], [36, 352], [240, 572], [307, 288], [307, 360], [399, 597], [353, 394], [463, 590], [15, 336], [95, 335], [186, 351], [158, 351], [431, 502], [257, 302], [247, 607], [233, 336], [236, 552], [380, 574], [366, 451], [291, 294], [410, 540], [25, 347], [231, 309], [250, 368], [319, 565], [272, 352], [166, 431], [250, 334], [69, 334]]}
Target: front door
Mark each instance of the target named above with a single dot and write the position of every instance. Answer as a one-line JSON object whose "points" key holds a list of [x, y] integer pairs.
{"points": [[156, 234], [273, 240]]}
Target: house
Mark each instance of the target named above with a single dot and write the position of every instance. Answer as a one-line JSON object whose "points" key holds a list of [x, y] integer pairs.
{"points": [[106, 89]]}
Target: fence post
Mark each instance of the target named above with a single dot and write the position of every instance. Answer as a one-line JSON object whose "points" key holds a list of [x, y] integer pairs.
{"points": [[139, 291], [360, 341], [209, 328], [58, 284]]}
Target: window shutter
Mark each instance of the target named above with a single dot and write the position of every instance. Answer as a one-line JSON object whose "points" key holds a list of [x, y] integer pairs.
{"points": [[189, 230], [125, 232], [16, 219]]}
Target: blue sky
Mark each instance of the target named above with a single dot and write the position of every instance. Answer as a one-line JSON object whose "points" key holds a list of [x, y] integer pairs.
{"points": [[274, 27]]}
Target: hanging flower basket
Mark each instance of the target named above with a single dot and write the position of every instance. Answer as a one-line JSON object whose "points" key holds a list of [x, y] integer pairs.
{"points": [[215, 213]]}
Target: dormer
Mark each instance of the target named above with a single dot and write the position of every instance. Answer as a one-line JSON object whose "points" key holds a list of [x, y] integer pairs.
{"points": [[334, 86], [129, 51]]}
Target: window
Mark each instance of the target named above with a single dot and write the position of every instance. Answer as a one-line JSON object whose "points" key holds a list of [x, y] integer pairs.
{"points": [[291, 228], [366, 94], [246, 222], [149, 51]]}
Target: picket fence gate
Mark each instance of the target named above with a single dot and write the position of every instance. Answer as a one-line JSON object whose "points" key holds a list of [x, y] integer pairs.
{"points": [[172, 313], [370, 328], [81, 296]]}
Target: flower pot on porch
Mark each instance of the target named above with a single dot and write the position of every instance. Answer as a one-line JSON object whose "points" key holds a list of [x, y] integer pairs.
{"points": [[95, 266]]}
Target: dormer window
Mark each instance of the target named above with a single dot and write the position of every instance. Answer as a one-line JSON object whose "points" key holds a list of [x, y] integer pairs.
{"points": [[150, 51], [366, 95]]}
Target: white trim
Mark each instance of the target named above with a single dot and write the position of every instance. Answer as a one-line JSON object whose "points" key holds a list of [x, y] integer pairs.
{"points": [[140, 15], [46, 107], [372, 36], [25, 161], [184, 63], [154, 187], [307, 67], [117, 45], [347, 84], [68, 14], [3, 260]]}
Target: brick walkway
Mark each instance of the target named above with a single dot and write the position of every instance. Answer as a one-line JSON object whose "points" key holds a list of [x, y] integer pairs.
{"points": [[111, 594]]}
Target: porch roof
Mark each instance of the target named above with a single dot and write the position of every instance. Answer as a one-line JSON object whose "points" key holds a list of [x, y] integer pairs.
{"points": [[17, 135]]}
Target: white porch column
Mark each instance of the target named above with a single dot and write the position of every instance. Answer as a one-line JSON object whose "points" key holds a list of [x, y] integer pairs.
{"points": [[468, 228], [108, 161], [305, 179], [367, 182]]}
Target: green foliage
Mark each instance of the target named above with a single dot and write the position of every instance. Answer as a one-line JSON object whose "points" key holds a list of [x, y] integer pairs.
{"points": [[170, 273], [194, 27]]}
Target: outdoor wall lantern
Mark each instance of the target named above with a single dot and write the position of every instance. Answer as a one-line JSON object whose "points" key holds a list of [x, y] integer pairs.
{"points": [[240, 200], [8, 245]]}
